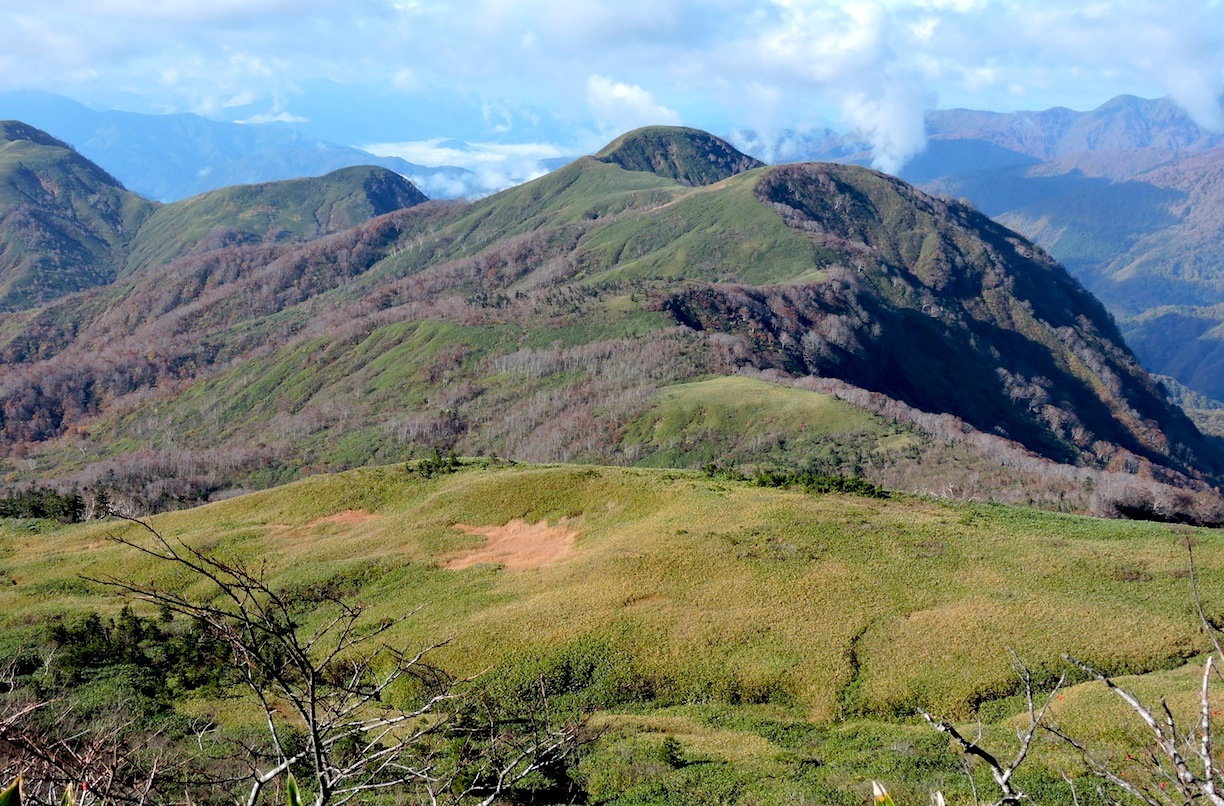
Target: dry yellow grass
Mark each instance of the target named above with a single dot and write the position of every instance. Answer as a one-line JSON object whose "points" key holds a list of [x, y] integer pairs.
{"points": [[843, 604]]}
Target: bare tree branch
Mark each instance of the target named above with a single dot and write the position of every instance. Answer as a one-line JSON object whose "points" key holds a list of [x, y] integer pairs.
{"points": [[332, 684], [1002, 773]]}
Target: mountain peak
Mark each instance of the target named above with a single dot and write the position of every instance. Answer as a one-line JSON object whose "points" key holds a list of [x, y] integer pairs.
{"points": [[14, 130], [689, 156]]}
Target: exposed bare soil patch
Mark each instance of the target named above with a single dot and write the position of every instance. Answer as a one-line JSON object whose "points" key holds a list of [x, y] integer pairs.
{"points": [[517, 545]]}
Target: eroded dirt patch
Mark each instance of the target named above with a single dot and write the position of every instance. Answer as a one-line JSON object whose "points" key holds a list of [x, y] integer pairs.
{"points": [[517, 545]]}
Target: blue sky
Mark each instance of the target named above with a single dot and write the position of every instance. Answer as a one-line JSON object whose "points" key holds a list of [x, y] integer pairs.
{"points": [[558, 77]]}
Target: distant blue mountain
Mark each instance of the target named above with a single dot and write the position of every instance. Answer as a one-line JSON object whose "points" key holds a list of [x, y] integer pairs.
{"points": [[171, 157]]}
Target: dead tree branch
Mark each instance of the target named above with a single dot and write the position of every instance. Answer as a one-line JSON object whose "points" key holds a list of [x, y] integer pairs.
{"points": [[1000, 771], [328, 690]]}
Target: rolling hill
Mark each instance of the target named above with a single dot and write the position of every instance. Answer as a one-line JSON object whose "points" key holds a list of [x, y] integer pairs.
{"points": [[782, 639], [612, 311], [68, 225]]}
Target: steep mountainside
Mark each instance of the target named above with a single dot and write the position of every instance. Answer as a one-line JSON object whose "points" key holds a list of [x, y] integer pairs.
{"points": [[68, 225], [65, 224], [1128, 196], [805, 317], [935, 293]]}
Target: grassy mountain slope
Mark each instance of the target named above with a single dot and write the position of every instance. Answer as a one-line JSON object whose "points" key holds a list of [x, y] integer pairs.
{"points": [[689, 156], [551, 321], [784, 638], [1127, 196], [297, 209], [65, 224], [68, 225]]}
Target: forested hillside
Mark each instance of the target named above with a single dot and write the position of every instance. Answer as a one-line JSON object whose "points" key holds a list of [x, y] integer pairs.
{"points": [[1127, 196], [815, 318]]}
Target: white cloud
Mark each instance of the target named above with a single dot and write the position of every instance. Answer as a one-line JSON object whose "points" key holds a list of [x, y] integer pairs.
{"points": [[891, 121], [493, 166], [437, 151], [274, 117], [244, 98], [619, 107], [609, 66], [405, 80]]}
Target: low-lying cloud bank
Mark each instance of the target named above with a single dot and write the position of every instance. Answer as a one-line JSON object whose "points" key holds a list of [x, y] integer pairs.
{"points": [[490, 166]]}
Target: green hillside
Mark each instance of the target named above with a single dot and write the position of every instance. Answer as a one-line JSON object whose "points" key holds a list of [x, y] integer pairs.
{"points": [[606, 315], [65, 223], [783, 638], [689, 156], [297, 210]]}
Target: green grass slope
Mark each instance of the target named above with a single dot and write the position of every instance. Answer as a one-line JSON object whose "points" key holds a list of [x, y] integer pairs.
{"points": [[689, 156], [65, 224], [296, 209], [633, 224], [761, 626], [743, 421], [706, 583], [716, 234]]}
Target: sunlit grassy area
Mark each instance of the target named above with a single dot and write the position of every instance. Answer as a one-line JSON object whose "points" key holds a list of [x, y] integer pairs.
{"points": [[774, 590], [730, 420], [808, 614]]}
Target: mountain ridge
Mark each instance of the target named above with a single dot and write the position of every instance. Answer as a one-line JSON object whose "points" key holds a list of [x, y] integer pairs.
{"points": [[546, 323], [70, 226], [1127, 196]]}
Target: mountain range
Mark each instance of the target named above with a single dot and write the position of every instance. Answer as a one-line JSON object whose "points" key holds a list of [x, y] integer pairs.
{"points": [[667, 301], [171, 157], [1127, 196], [68, 225], [750, 608]]}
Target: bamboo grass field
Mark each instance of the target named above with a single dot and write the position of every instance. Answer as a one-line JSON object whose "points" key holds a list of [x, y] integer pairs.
{"points": [[753, 624]]}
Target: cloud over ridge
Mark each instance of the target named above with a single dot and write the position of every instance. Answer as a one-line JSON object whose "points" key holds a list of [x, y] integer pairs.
{"points": [[574, 69]]}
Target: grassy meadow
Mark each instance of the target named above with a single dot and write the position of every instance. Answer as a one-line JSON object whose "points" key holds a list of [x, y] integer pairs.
{"points": [[784, 639]]}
